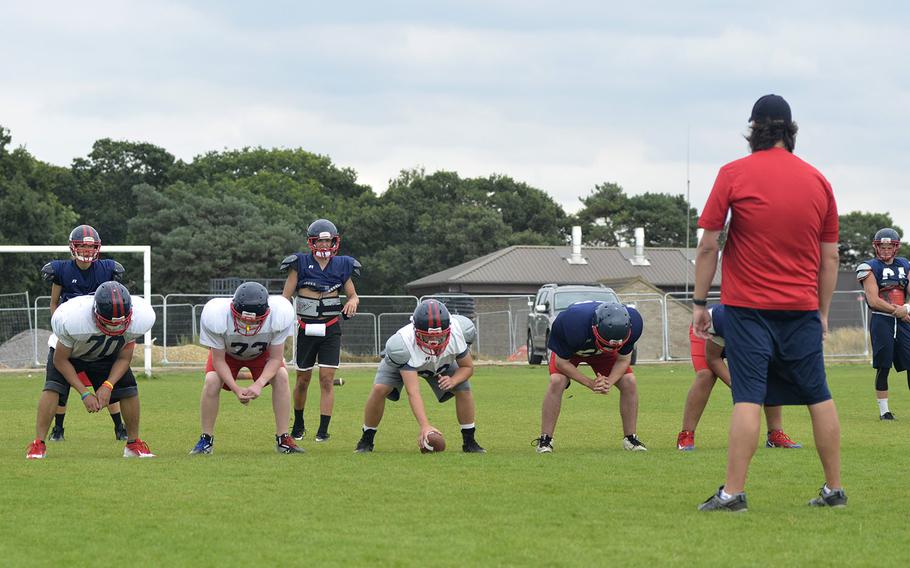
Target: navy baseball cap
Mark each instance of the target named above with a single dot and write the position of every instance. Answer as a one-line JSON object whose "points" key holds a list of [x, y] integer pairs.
{"points": [[770, 107]]}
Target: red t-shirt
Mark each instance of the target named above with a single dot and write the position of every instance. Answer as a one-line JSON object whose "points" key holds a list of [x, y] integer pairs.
{"points": [[781, 210]]}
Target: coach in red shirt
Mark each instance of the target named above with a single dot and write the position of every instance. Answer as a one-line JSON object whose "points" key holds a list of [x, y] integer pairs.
{"points": [[779, 272]]}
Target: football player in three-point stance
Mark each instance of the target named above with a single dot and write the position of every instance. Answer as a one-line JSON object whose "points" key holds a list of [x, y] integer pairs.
{"points": [[603, 335], [708, 360], [81, 276], [313, 283], [94, 338], [435, 346], [884, 280], [248, 330]]}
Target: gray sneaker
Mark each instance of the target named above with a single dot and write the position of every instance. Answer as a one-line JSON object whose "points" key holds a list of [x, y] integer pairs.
{"points": [[544, 444], [836, 498], [735, 504], [633, 444]]}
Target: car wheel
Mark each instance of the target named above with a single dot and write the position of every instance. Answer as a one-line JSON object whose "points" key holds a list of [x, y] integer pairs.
{"points": [[533, 358]]}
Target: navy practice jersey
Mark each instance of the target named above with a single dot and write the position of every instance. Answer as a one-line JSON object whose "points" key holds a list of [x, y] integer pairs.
{"points": [[891, 278], [76, 282], [310, 275], [573, 335]]}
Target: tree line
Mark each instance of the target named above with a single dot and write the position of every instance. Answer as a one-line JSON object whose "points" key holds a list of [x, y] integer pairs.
{"points": [[239, 212]]}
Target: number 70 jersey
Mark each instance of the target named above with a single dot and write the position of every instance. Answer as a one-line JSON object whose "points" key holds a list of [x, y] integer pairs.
{"points": [[74, 327], [218, 332]]}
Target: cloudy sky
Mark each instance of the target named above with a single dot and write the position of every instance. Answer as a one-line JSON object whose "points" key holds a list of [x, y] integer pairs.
{"points": [[561, 95]]}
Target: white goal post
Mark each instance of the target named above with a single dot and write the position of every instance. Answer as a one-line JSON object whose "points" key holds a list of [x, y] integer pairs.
{"points": [[146, 251]]}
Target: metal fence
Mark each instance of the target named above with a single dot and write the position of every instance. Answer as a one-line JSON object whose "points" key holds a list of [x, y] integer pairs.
{"points": [[501, 321]]}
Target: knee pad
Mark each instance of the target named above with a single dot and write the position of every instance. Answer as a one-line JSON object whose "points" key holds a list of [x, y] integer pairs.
{"points": [[881, 379]]}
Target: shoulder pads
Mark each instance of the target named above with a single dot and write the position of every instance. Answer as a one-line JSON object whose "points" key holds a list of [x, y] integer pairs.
{"points": [[396, 351], [863, 270], [118, 272], [288, 262], [467, 328], [47, 272], [357, 268]]}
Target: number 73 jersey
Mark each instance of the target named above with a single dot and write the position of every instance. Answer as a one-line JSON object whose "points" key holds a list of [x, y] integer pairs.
{"points": [[217, 329], [74, 327]]}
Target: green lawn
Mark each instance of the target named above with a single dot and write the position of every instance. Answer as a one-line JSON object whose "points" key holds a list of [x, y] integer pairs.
{"points": [[589, 503]]}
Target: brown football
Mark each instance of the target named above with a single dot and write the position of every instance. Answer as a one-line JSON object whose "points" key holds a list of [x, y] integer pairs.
{"points": [[434, 442]]}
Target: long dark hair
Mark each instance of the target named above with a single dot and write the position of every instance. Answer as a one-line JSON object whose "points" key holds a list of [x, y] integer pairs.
{"points": [[766, 134]]}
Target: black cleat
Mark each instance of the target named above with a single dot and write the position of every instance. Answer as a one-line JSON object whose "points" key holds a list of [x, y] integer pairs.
{"points": [[57, 434], [363, 447], [322, 436], [834, 498], [298, 432], [120, 432], [735, 504], [472, 447], [887, 416], [544, 444]]}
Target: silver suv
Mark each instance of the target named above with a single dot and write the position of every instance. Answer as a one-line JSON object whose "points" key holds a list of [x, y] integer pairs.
{"points": [[552, 299]]}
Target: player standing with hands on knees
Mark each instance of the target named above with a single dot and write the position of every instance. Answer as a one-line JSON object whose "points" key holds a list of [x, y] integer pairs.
{"points": [[779, 271], [602, 335]]}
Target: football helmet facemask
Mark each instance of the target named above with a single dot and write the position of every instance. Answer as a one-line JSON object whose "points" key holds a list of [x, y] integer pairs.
{"points": [[881, 241], [612, 326], [432, 327], [323, 239], [249, 308], [113, 308], [85, 243]]}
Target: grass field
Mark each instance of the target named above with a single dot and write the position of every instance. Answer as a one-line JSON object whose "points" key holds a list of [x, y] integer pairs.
{"points": [[588, 504]]}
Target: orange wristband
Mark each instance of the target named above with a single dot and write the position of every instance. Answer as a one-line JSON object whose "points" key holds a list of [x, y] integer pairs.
{"points": [[108, 385]]}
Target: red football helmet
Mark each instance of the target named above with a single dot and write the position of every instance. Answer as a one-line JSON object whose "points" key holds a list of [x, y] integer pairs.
{"points": [[85, 243], [323, 238], [886, 242]]}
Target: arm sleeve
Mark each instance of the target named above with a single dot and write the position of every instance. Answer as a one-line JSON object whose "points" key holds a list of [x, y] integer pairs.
{"points": [[714, 214]]}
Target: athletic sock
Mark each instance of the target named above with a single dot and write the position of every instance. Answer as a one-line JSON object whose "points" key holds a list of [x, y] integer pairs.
{"points": [[467, 432], [368, 435], [58, 419], [882, 406], [117, 419], [724, 496], [298, 418], [324, 423]]}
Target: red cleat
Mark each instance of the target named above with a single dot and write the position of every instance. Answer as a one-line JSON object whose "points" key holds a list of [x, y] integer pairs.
{"points": [[137, 449], [778, 439], [37, 450], [685, 441]]}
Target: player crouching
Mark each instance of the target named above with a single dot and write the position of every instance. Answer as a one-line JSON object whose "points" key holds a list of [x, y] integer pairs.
{"points": [[93, 342], [248, 330], [435, 346]]}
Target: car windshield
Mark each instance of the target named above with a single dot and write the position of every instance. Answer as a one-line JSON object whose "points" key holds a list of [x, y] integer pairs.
{"points": [[566, 299]]}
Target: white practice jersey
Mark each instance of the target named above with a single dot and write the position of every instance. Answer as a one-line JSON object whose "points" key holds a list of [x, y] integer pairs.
{"points": [[74, 327], [218, 331], [401, 350]]}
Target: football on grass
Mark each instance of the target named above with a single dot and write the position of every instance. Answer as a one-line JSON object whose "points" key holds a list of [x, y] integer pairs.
{"points": [[434, 442]]}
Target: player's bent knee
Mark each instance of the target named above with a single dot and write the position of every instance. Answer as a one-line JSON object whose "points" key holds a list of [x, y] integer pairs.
{"points": [[559, 381]]}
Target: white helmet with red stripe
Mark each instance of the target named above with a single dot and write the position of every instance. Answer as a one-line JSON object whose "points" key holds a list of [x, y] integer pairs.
{"points": [[431, 326], [113, 308]]}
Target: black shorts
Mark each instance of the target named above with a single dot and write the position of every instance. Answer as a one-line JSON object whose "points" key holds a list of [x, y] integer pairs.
{"points": [[96, 371], [326, 350]]}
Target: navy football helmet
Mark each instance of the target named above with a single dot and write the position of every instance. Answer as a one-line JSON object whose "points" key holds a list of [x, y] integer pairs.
{"points": [[113, 308], [611, 325], [432, 326], [323, 238], [249, 308], [886, 236], [85, 243]]}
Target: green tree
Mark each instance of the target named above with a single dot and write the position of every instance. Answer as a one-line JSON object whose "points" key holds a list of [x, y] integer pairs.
{"points": [[664, 218], [857, 229], [602, 216], [532, 215]]}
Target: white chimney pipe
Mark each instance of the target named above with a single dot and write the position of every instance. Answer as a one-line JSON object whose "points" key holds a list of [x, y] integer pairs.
{"points": [[576, 257], [639, 258]]}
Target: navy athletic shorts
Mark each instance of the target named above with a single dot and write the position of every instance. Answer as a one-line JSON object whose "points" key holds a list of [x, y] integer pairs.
{"points": [[890, 342], [775, 356]]}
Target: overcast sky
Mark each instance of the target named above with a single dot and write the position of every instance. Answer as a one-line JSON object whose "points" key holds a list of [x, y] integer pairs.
{"points": [[561, 95]]}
